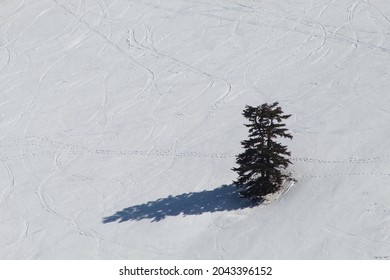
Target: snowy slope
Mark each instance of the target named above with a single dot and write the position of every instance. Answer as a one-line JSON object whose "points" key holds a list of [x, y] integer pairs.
{"points": [[120, 122]]}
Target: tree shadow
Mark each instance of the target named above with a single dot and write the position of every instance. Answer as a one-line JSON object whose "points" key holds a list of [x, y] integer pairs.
{"points": [[224, 198]]}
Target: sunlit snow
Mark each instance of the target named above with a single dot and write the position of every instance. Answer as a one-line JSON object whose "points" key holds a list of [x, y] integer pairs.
{"points": [[120, 122]]}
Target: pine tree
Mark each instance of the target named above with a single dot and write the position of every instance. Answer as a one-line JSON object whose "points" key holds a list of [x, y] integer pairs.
{"points": [[261, 165]]}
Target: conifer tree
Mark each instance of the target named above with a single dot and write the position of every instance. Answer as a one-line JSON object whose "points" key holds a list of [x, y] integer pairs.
{"points": [[262, 164]]}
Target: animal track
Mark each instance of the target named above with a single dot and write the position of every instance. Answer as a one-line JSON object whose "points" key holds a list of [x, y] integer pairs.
{"points": [[379, 174], [351, 160], [44, 146]]}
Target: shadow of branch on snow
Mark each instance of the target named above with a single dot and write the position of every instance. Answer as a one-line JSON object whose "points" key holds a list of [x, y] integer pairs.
{"points": [[224, 198]]}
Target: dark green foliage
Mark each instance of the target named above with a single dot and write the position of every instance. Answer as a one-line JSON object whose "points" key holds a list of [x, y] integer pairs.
{"points": [[261, 165]]}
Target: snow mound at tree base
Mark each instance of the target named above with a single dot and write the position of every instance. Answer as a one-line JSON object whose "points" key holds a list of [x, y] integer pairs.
{"points": [[285, 188]]}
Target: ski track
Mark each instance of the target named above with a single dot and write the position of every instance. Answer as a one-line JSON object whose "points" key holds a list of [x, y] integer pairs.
{"points": [[151, 80], [150, 48], [11, 185]]}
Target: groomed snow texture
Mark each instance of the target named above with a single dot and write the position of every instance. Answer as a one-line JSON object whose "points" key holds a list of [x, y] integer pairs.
{"points": [[120, 122]]}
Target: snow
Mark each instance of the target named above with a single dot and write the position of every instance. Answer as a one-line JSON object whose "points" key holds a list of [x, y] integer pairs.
{"points": [[120, 122]]}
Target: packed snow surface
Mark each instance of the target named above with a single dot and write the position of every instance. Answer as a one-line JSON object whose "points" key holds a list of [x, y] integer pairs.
{"points": [[120, 122]]}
